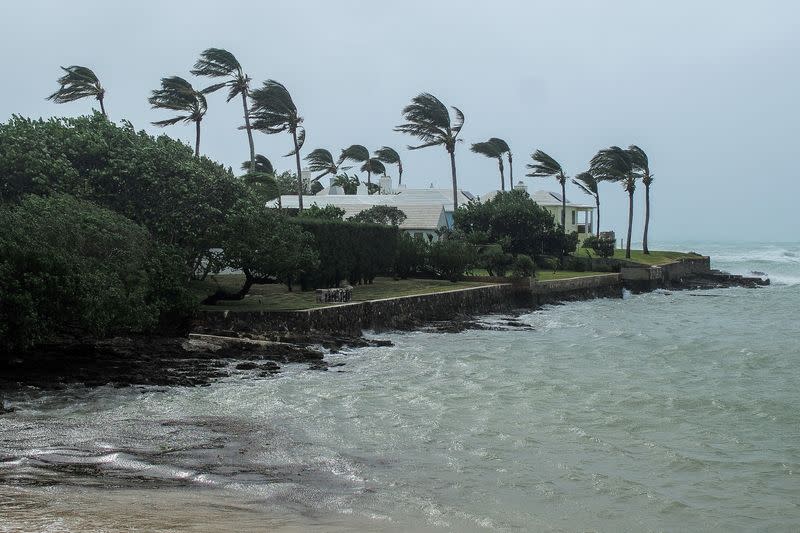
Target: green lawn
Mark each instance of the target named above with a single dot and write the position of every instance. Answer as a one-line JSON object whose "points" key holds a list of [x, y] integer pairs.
{"points": [[278, 298], [547, 275], [653, 258]]}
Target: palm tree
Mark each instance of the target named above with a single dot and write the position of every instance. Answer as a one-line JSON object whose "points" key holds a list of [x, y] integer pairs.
{"points": [[373, 166], [616, 164], [429, 120], [587, 183], [273, 111], [390, 156], [76, 83], [259, 164], [505, 149], [177, 94], [359, 154], [262, 176], [643, 169], [219, 63], [492, 150], [321, 160], [546, 166]]}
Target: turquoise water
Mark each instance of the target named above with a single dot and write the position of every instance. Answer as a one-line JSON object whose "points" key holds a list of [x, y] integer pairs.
{"points": [[668, 411]]}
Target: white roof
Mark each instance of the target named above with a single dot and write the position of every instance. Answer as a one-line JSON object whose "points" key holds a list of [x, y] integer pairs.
{"points": [[544, 198]]}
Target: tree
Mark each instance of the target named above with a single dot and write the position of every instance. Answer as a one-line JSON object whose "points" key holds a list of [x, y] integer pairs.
{"points": [[380, 214], [268, 248], [76, 83], [69, 265], [389, 156], [274, 111], [642, 167], [371, 166], [321, 160], [491, 150], [616, 164], [260, 177], [177, 94], [505, 149], [359, 154], [329, 212], [587, 183], [546, 166], [429, 120], [219, 63], [259, 164], [348, 183]]}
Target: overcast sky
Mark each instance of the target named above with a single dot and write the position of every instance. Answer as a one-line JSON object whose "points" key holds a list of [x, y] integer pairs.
{"points": [[708, 89]]}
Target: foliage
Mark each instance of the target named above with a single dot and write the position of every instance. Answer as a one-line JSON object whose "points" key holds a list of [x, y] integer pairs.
{"points": [[450, 258], [602, 247], [219, 63], [287, 183], [76, 83], [492, 258], [156, 182], [177, 94], [390, 156], [329, 212], [262, 165], [348, 183], [411, 258], [68, 264], [349, 251], [321, 160], [513, 220], [523, 266], [380, 214]]}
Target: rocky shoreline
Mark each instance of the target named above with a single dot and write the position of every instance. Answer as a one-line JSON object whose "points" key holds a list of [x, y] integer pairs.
{"points": [[200, 358]]}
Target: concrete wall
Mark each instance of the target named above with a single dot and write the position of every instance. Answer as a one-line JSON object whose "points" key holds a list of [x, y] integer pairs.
{"points": [[642, 278], [579, 288]]}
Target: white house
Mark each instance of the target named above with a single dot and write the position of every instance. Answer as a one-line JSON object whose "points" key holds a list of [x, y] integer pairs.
{"points": [[429, 209], [426, 210]]}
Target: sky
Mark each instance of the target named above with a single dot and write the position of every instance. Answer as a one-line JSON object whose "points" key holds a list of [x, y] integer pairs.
{"points": [[708, 89]]}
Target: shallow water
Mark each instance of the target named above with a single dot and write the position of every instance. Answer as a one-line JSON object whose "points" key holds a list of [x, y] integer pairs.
{"points": [[668, 411]]}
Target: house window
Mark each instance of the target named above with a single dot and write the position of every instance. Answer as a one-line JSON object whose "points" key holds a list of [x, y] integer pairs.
{"points": [[574, 217]]}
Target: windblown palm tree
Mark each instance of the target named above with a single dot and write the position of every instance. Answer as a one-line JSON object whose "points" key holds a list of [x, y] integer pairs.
{"points": [[391, 157], [359, 154], [616, 164], [546, 166], [262, 165], [505, 149], [492, 150], [373, 166], [428, 119], [261, 177], [642, 166], [177, 94], [321, 160], [219, 63], [76, 83], [587, 183], [274, 111]]}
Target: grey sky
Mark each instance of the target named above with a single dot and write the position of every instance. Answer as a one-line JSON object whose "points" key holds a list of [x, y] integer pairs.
{"points": [[708, 89]]}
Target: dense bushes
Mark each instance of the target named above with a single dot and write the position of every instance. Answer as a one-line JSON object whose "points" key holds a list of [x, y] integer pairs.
{"points": [[411, 257], [154, 181], [450, 258], [602, 247], [349, 251], [68, 264]]}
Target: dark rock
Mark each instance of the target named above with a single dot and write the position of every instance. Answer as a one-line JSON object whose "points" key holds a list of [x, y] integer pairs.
{"points": [[246, 366]]}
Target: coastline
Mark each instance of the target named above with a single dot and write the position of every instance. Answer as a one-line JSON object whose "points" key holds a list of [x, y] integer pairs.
{"points": [[260, 342]]}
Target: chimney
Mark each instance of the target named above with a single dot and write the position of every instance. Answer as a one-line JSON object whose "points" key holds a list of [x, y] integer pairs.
{"points": [[520, 186], [334, 189], [386, 185]]}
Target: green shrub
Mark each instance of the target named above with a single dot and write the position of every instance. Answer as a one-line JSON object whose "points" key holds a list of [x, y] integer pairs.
{"points": [[450, 258], [602, 247], [70, 265], [380, 214], [523, 267], [494, 260], [411, 256]]}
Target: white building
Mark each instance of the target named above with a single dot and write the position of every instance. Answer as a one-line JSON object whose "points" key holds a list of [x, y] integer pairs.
{"points": [[427, 210]]}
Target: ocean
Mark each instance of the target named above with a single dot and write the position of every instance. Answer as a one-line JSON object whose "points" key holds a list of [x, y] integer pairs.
{"points": [[666, 411]]}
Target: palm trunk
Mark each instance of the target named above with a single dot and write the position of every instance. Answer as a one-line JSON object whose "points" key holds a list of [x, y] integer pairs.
{"points": [[646, 217], [502, 177], [197, 138], [299, 171], [563, 219], [510, 172], [249, 132], [102, 107], [455, 180], [630, 225], [400, 172], [597, 201], [369, 179]]}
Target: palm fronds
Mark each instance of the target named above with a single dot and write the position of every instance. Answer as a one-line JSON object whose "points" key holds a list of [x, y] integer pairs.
{"points": [[219, 63], [487, 149], [262, 165], [273, 110], [177, 94], [373, 166], [545, 166], [390, 156], [321, 160], [76, 83], [586, 182], [354, 152]]}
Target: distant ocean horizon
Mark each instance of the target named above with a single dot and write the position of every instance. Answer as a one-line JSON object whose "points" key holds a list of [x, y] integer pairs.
{"points": [[665, 411]]}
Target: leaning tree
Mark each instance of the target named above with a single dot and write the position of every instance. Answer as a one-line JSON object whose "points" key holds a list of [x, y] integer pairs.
{"points": [[390, 156], [587, 183], [359, 154], [492, 151], [219, 63], [616, 164], [321, 160], [429, 120], [545, 166], [274, 111], [642, 165], [76, 83], [177, 94]]}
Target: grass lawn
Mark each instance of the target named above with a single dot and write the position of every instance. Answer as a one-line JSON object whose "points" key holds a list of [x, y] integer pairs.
{"points": [[278, 298], [654, 258], [547, 275]]}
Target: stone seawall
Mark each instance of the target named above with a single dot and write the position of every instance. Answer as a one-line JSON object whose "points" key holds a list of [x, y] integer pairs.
{"points": [[392, 313], [647, 278], [579, 288]]}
